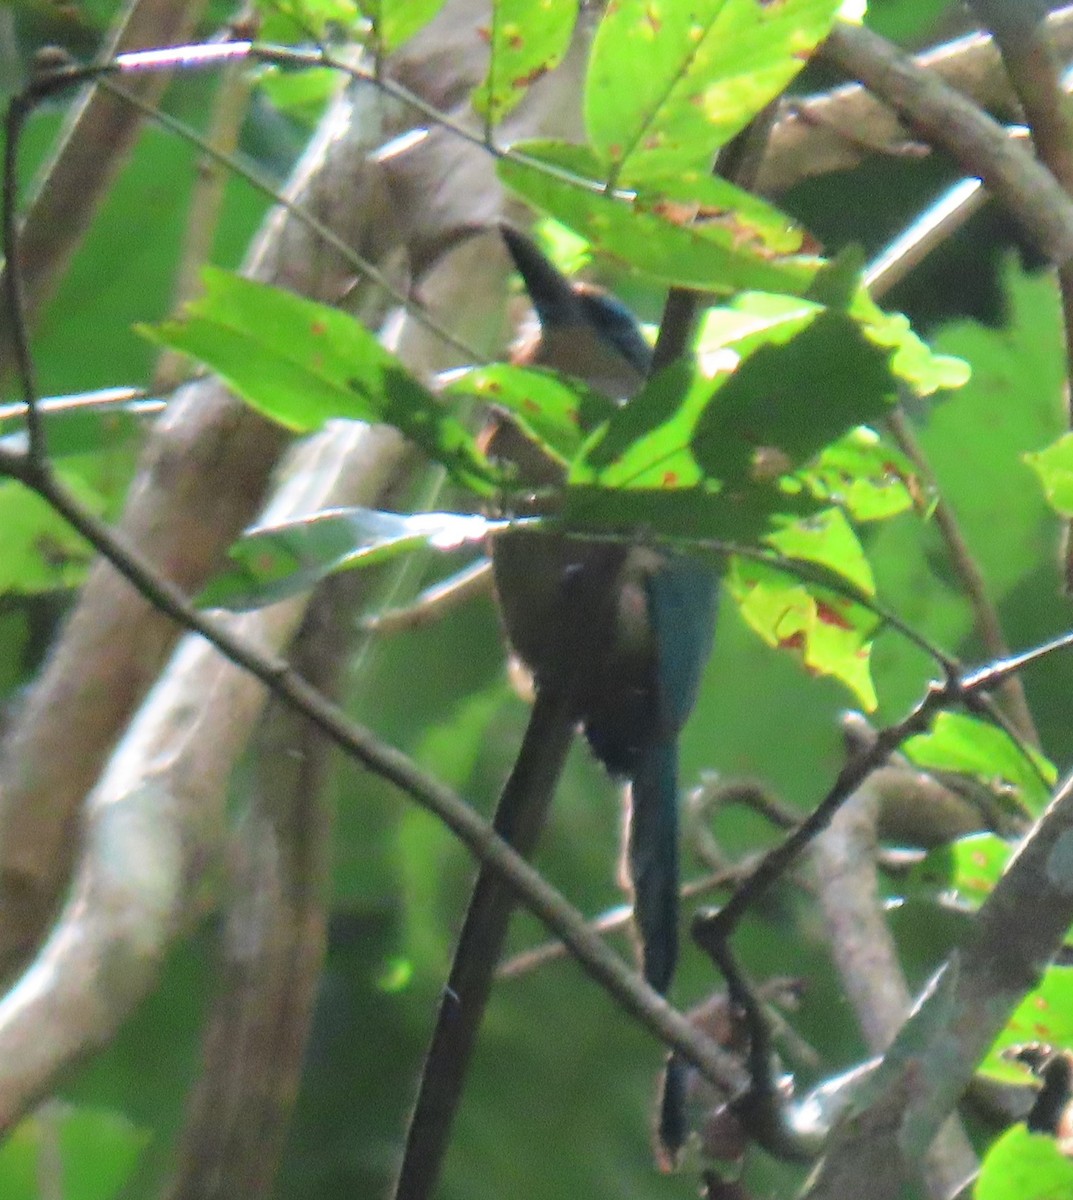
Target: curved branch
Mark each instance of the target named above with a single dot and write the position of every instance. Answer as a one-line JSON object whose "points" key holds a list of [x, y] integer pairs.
{"points": [[980, 145]]}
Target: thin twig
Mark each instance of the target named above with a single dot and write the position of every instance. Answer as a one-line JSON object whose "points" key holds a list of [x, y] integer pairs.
{"points": [[973, 584], [229, 108]]}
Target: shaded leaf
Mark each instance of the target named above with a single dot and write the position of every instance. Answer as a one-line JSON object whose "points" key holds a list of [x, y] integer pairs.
{"points": [[709, 68], [277, 561], [527, 38], [800, 388], [97, 1151], [303, 363]]}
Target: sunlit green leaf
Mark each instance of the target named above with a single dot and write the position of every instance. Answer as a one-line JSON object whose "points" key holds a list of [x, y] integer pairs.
{"points": [[870, 479], [303, 363], [913, 362], [737, 248], [277, 561], [557, 414], [830, 633], [1024, 1166], [300, 94], [1054, 466], [39, 551], [962, 743], [709, 68], [526, 38], [964, 872], [295, 20], [828, 540], [1044, 1015], [395, 21]]}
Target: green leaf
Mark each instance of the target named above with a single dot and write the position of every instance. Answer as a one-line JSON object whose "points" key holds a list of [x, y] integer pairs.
{"points": [[752, 320], [276, 561], [918, 366], [1024, 1166], [828, 540], [527, 38], [709, 68], [1044, 1015], [965, 871], [737, 248], [39, 551], [810, 380], [303, 363], [300, 94], [1054, 466], [97, 1152], [868, 478], [828, 632], [792, 400], [395, 21], [961, 743], [296, 20], [556, 414]]}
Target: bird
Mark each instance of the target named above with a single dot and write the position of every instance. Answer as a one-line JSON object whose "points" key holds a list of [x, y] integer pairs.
{"points": [[616, 635], [637, 678]]}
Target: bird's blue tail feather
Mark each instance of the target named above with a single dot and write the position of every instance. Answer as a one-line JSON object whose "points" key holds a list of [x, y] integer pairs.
{"points": [[652, 857]]}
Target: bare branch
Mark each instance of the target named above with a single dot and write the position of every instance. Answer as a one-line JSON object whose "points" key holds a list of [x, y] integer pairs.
{"points": [[844, 868], [1015, 935], [272, 941], [946, 119]]}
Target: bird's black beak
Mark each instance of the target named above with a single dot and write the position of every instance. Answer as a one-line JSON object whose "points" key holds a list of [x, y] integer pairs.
{"points": [[552, 294]]}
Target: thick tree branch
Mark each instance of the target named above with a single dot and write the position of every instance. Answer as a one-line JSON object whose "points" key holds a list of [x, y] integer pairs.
{"points": [[844, 868], [1015, 935], [946, 119], [272, 939]]}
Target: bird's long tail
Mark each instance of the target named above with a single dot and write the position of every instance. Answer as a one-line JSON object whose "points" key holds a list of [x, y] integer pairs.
{"points": [[652, 862], [652, 859]]}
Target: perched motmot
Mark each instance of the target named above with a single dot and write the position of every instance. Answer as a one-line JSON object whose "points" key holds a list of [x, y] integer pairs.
{"points": [[637, 678], [615, 637]]}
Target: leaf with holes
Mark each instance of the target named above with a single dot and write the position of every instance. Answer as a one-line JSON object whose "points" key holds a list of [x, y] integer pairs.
{"points": [[831, 634]]}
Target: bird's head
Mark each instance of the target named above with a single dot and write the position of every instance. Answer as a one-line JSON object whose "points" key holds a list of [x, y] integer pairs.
{"points": [[584, 331]]}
